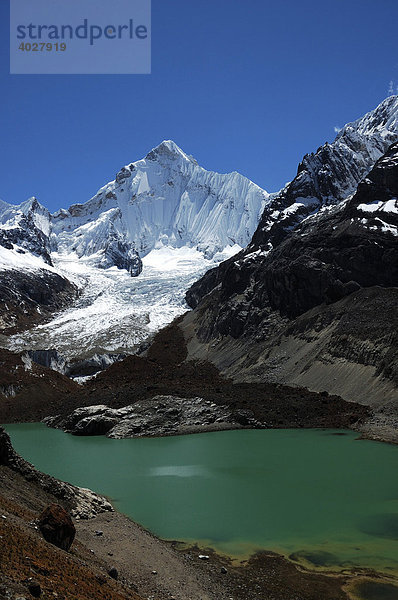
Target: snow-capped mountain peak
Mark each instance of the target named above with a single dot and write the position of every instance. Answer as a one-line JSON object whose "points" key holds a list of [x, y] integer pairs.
{"points": [[169, 150], [382, 120], [25, 228], [190, 219], [162, 200], [331, 174], [165, 198]]}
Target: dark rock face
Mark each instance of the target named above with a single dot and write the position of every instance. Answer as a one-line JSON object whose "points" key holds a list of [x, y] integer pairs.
{"points": [[335, 254], [28, 297], [120, 253], [7, 453], [57, 527], [323, 179], [210, 280], [331, 255]]}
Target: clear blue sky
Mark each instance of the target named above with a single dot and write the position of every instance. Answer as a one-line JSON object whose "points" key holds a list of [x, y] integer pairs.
{"points": [[245, 85]]}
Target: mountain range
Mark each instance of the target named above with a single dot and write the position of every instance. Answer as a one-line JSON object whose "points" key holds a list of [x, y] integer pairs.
{"points": [[308, 297], [312, 300], [164, 200]]}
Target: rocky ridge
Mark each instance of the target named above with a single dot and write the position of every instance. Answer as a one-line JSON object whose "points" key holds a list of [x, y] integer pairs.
{"points": [[318, 309], [324, 179], [331, 255], [157, 416], [330, 175]]}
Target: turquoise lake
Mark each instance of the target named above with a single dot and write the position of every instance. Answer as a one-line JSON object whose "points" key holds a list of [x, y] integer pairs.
{"points": [[321, 495]]}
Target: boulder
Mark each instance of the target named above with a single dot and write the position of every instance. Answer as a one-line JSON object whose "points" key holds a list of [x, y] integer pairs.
{"points": [[160, 415], [57, 527]]}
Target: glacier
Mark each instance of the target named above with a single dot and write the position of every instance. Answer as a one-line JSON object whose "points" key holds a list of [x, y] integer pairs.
{"points": [[164, 219], [115, 313]]}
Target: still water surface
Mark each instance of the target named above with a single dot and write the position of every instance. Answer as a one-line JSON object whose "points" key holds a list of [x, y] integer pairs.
{"points": [[327, 498]]}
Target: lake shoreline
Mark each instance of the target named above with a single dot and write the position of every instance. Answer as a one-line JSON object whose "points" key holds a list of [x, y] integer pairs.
{"points": [[363, 434], [215, 428], [262, 575], [161, 569]]}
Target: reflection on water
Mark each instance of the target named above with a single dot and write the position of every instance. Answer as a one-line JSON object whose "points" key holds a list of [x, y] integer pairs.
{"points": [[180, 471]]}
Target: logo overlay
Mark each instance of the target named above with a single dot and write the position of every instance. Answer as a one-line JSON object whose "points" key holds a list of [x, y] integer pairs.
{"points": [[80, 37]]}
